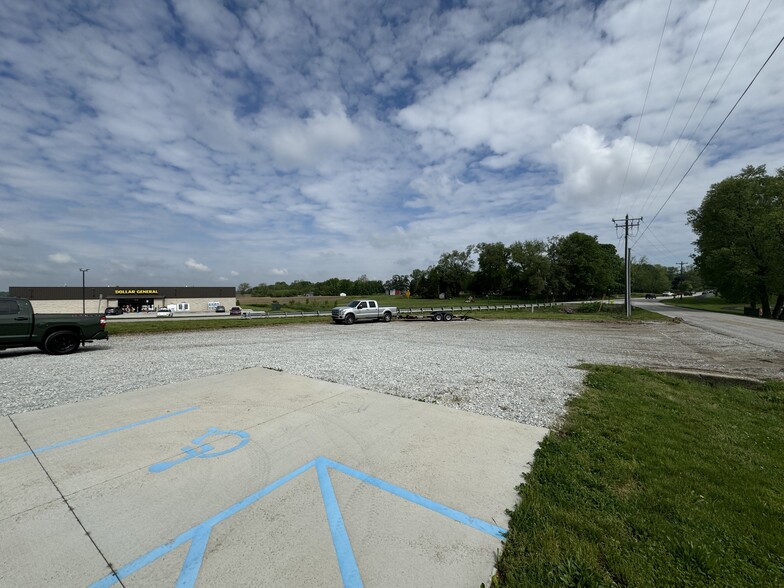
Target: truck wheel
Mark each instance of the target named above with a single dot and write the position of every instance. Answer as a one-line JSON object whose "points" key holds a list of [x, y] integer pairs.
{"points": [[448, 316], [387, 317], [61, 343], [348, 319], [438, 316]]}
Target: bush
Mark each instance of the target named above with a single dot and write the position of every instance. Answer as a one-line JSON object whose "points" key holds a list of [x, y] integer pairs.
{"points": [[594, 307]]}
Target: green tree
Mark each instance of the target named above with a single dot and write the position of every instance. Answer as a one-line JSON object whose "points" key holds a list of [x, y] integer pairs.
{"points": [[243, 288], [453, 272], [530, 268], [583, 268], [649, 278], [398, 282], [740, 238], [493, 274]]}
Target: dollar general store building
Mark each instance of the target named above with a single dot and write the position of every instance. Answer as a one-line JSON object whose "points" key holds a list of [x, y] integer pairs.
{"points": [[68, 299]]}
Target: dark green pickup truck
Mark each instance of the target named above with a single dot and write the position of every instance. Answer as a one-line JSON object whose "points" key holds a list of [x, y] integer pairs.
{"points": [[56, 334]]}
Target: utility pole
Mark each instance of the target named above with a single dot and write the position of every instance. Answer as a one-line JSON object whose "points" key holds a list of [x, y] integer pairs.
{"points": [[627, 223], [681, 263], [84, 271]]}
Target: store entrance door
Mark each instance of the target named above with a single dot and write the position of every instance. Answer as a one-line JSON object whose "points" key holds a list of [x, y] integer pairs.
{"points": [[137, 304]]}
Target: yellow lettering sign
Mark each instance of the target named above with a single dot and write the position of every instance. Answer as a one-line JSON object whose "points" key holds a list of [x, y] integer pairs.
{"points": [[133, 291]]}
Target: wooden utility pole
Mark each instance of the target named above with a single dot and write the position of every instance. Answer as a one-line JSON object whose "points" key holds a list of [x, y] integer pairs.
{"points": [[627, 223]]}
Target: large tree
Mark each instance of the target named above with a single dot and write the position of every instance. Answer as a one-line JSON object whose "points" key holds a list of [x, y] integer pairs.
{"points": [[530, 268], [647, 277], [583, 267], [740, 238], [493, 274], [454, 271]]}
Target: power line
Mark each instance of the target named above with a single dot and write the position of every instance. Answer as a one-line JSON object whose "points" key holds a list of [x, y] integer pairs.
{"points": [[713, 135], [677, 98], [710, 104], [644, 103]]}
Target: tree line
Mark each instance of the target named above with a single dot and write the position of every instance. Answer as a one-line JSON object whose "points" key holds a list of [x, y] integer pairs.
{"points": [[572, 267], [362, 286], [739, 253]]}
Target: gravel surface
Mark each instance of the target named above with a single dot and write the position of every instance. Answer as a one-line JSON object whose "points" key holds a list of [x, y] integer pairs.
{"points": [[518, 370]]}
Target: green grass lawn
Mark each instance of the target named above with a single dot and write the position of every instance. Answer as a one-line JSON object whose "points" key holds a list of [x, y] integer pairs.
{"points": [[709, 304], [654, 480]]}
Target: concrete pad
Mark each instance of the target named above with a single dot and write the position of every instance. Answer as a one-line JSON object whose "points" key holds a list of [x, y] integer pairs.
{"points": [[262, 478], [23, 484]]}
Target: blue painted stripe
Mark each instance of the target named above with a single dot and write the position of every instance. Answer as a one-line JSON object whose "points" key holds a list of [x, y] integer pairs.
{"points": [[349, 570], [346, 560], [204, 527], [190, 569], [441, 509], [99, 434], [144, 560]]}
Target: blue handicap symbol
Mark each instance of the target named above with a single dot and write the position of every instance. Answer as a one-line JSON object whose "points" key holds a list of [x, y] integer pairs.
{"points": [[203, 449]]}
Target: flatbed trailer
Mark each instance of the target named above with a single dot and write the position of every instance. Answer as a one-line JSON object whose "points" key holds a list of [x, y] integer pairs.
{"points": [[437, 316]]}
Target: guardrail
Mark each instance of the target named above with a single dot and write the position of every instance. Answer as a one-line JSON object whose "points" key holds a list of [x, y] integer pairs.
{"points": [[250, 314]]}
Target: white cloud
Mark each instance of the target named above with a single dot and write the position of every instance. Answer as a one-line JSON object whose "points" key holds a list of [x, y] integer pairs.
{"points": [[193, 264], [306, 143], [61, 258], [298, 131], [279, 271]]}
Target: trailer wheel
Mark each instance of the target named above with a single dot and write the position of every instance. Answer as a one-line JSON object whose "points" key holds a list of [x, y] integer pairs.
{"points": [[61, 343], [348, 319], [387, 317], [438, 316], [448, 316]]}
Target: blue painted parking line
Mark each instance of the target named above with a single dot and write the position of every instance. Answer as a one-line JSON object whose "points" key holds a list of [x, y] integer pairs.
{"points": [[95, 435], [349, 570], [441, 509], [347, 563]]}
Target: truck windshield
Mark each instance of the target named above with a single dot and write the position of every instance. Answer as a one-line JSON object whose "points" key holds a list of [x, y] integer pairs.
{"points": [[353, 303]]}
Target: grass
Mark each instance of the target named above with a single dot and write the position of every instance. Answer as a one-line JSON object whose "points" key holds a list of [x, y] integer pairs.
{"points": [[173, 325], [610, 313], [654, 480], [709, 304]]}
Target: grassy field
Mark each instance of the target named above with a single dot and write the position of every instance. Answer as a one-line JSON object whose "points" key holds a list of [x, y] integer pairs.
{"points": [[327, 302], [654, 480], [709, 304], [609, 313]]}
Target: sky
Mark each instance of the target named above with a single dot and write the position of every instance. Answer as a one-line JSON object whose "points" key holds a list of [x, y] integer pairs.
{"points": [[198, 142]]}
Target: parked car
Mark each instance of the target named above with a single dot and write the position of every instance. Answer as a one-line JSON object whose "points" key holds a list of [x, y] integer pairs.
{"points": [[220, 309], [165, 312], [235, 310], [650, 296], [113, 310]]}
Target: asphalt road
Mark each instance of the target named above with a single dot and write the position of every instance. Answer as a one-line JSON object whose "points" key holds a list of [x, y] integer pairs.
{"points": [[763, 332]]}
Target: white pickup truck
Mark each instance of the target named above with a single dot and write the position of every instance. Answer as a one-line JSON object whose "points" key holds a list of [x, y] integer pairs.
{"points": [[363, 310]]}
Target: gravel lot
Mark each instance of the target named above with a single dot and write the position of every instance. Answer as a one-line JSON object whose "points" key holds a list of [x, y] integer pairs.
{"points": [[518, 370]]}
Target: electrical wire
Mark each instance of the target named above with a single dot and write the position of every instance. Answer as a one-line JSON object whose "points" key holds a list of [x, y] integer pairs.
{"points": [[644, 103], [677, 99], [710, 104], [772, 53]]}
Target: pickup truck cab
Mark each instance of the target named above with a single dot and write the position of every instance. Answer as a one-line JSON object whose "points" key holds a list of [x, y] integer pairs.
{"points": [[363, 310], [56, 334]]}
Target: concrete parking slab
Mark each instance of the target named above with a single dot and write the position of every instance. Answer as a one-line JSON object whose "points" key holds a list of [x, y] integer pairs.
{"points": [[256, 478]]}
